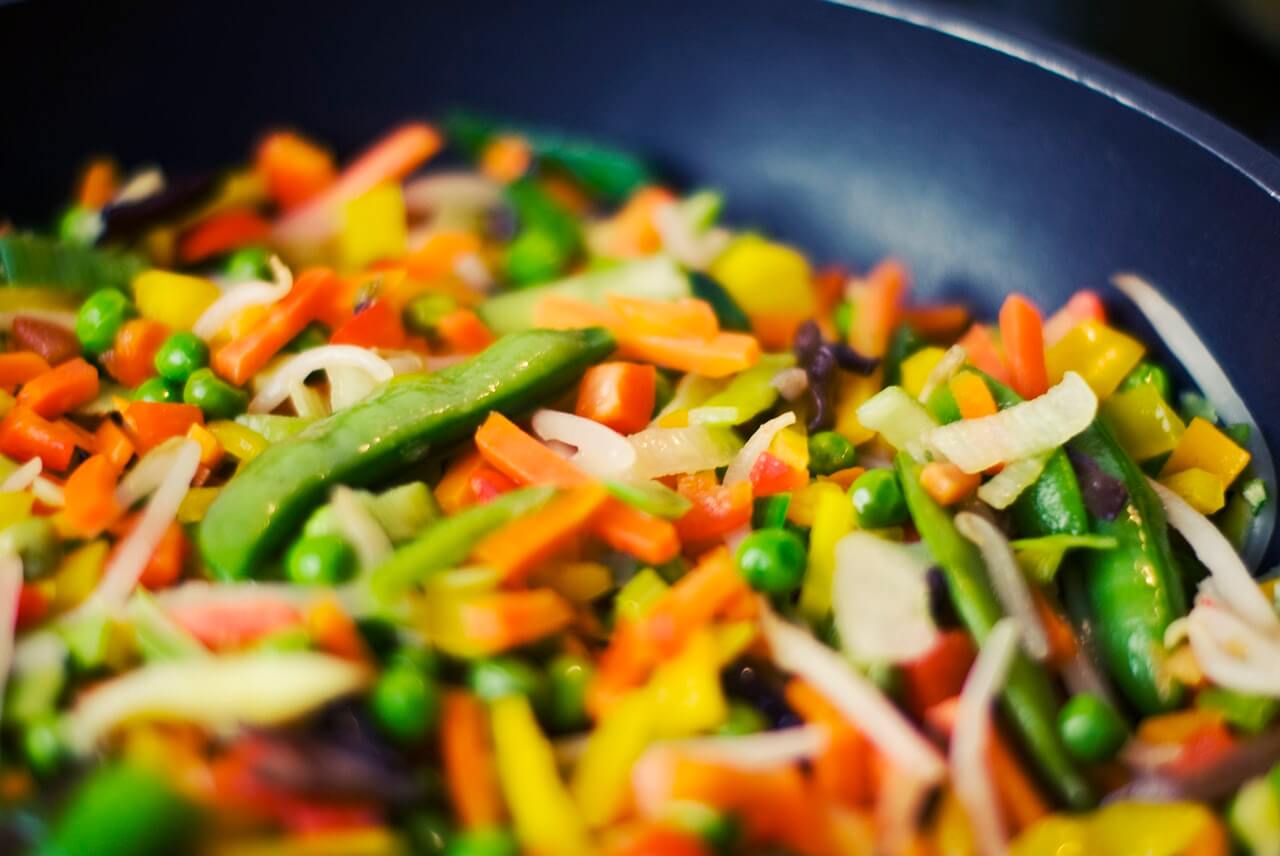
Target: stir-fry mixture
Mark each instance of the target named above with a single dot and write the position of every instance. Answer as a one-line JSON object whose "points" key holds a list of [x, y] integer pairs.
{"points": [[482, 495]]}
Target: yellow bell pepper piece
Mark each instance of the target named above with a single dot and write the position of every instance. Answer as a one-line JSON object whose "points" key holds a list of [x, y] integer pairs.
{"points": [[803, 509], [196, 503], [771, 282], [1205, 447], [952, 834], [546, 817], [603, 773], [15, 505], [78, 574], [733, 639], [1054, 834], [852, 390], [16, 298], [1127, 829], [833, 519], [365, 841], [634, 599], [1099, 354], [687, 697], [1143, 421], [175, 300], [373, 227], [243, 444], [580, 582], [1202, 490], [916, 368], [791, 446]]}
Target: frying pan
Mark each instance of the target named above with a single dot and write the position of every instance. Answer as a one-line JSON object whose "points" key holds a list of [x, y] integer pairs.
{"points": [[989, 161]]}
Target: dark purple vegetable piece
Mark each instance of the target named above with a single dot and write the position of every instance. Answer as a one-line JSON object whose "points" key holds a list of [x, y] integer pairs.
{"points": [[852, 361], [805, 343], [761, 685], [1104, 495], [179, 196], [821, 370], [941, 606]]}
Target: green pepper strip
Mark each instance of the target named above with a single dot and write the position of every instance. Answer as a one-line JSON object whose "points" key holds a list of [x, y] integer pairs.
{"points": [[263, 505], [1027, 698], [448, 542]]}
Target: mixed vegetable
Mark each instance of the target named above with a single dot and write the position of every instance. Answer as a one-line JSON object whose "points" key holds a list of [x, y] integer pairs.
{"points": [[484, 496]]}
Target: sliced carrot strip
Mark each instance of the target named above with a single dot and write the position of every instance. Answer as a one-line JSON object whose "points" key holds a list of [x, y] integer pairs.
{"points": [[618, 395], [504, 620], [683, 318], [111, 441], [938, 321], [131, 359], [947, 483], [721, 355], [152, 422], [984, 352], [61, 389], [25, 434], [513, 550], [242, 358], [91, 497], [1022, 332], [19, 367], [471, 777], [294, 169], [878, 308], [221, 233]]}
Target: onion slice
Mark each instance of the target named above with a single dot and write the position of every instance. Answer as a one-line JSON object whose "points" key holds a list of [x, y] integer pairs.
{"points": [[970, 775], [1004, 488], [359, 528], [242, 296], [147, 474], [762, 751], [1029, 428], [880, 597], [10, 589], [132, 554], [296, 368], [601, 451], [48, 492], [1232, 652], [1007, 579], [1189, 350], [950, 363], [23, 477], [670, 451], [796, 651], [1230, 577], [740, 467]]}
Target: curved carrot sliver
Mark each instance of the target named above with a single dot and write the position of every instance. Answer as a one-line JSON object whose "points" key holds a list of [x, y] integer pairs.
{"points": [[1022, 332]]}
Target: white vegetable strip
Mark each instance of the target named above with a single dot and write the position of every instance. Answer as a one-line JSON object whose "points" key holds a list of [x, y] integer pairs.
{"points": [[790, 383], [242, 296], [1208, 375], [880, 598], [440, 190], [970, 775], [219, 693], [404, 362], [897, 417], [23, 477], [1004, 488], [306, 402], [762, 751], [668, 451], [147, 474], [1007, 579], [1232, 652], [740, 468], [10, 589], [296, 368], [132, 554], [694, 247], [48, 493], [1029, 428], [365, 535], [950, 363], [1230, 577], [796, 651], [601, 451], [347, 385]]}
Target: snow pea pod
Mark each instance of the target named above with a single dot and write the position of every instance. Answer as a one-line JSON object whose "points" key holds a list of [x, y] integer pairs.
{"points": [[1027, 698], [261, 508]]}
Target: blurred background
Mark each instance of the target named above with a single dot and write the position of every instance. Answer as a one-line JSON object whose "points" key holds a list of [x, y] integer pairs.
{"points": [[1221, 55]]}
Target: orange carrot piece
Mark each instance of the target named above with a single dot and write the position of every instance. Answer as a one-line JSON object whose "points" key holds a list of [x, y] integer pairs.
{"points": [[632, 231], [506, 157], [1062, 639], [844, 768], [61, 389], [487, 483], [721, 355], [504, 620], [984, 352], [211, 450], [98, 184], [454, 492], [439, 254], [464, 332], [939, 673], [937, 321], [242, 358], [947, 483], [845, 478], [91, 497], [618, 395], [152, 422], [25, 434], [973, 396], [565, 313], [519, 546], [19, 367], [334, 631], [878, 306], [378, 325], [131, 359], [1022, 332], [293, 168], [112, 442], [717, 510], [165, 565], [221, 233], [471, 777], [630, 530], [684, 318], [1084, 305]]}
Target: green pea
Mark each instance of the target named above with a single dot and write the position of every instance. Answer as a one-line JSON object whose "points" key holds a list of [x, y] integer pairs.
{"points": [[495, 677], [79, 226], [319, 560], [843, 319], [180, 355], [534, 256], [405, 703], [217, 398], [1091, 729], [878, 499], [569, 677], [424, 312], [42, 744], [742, 719], [829, 452], [155, 390], [772, 560], [1148, 372], [248, 263], [99, 319], [483, 842]]}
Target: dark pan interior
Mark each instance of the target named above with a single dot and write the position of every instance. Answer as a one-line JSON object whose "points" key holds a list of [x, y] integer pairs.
{"points": [[854, 133]]}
